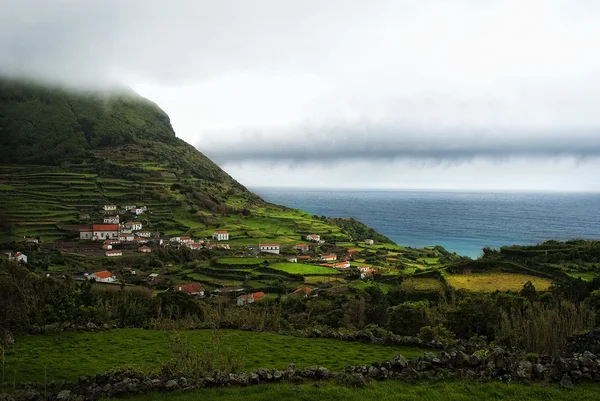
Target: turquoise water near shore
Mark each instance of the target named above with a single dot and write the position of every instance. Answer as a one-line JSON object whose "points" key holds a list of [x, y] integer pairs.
{"points": [[462, 222]]}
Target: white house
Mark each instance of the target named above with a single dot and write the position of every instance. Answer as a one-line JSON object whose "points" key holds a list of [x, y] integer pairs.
{"points": [[86, 233], [366, 271], [18, 257], [110, 207], [102, 277], [128, 207], [145, 249], [99, 232], [191, 289], [369, 242], [330, 257], [302, 247], [185, 240], [138, 210], [111, 219], [107, 247], [270, 248], [153, 276], [341, 265], [133, 225], [145, 234], [126, 237], [31, 240], [293, 259], [221, 235], [313, 238], [114, 253]]}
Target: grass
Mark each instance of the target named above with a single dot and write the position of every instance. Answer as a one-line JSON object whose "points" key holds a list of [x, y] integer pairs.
{"points": [[421, 284], [299, 268], [66, 356], [384, 391], [496, 281]]}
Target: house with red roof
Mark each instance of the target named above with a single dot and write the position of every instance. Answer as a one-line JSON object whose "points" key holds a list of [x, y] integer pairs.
{"points": [[250, 298], [31, 240], [17, 257], [194, 289], [145, 249], [303, 257], [113, 253], [111, 219], [302, 292], [341, 265], [329, 257], [221, 235], [302, 247], [103, 276], [313, 238]]}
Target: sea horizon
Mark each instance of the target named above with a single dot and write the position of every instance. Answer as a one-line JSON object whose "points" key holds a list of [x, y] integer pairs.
{"points": [[462, 221]]}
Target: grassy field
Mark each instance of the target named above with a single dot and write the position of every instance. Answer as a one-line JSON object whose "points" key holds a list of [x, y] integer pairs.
{"points": [[241, 261], [496, 281], [422, 284], [70, 355], [384, 391], [299, 268]]}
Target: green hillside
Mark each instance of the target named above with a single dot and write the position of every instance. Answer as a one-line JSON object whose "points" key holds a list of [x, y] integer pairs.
{"points": [[65, 154]]}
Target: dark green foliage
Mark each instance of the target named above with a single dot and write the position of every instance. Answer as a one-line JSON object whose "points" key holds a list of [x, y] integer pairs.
{"points": [[358, 231]]}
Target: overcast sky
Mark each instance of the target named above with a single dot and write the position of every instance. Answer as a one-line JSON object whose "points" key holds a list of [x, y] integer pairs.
{"points": [[450, 94]]}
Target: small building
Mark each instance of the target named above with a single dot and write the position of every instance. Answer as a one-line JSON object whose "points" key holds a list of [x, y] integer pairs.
{"points": [[18, 257], [145, 234], [352, 252], [84, 216], [213, 246], [133, 225], [103, 276], [112, 242], [109, 208], [194, 245], [302, 247], [138, 210], [303, 257], [145, 249], [111, 219], [366, 273], [194, 289], [140, 240], [128, 207], [126, 237], [105, 231], [107, 247], [153, 276], [341, 265], [302, 292], [86, 233], [329, 257], [270, 248], [31, 240], [313, 238], [221, 235], [369, 242], [185, 240], [250, 298], [114, 253], [292, 259]]}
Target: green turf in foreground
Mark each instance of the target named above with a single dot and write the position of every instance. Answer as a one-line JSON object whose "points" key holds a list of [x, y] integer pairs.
{"points": [[383, 391], [66, 356]]}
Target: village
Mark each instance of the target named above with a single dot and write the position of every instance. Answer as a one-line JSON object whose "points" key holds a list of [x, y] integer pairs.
{"points": [[122, 232]]}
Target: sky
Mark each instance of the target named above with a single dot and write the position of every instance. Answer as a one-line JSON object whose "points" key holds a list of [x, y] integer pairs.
{"points": [[449, 95]]}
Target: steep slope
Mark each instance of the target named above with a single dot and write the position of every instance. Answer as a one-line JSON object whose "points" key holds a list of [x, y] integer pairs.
{"points": [[64, 154]]}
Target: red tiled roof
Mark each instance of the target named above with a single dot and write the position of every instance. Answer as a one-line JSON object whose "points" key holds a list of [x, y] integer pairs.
{"points": [[85, 229], [351, 250], [189, 288], [303, 257], [303, 290], [256, 296], [144, 248], [105, 227], [103, 274], [222, 232]]}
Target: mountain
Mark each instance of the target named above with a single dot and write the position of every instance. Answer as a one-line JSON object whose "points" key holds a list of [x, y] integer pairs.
{"points": [[64, 154]]}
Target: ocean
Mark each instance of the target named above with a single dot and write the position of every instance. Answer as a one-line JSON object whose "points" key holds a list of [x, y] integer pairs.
{"points": [[462, 222]]}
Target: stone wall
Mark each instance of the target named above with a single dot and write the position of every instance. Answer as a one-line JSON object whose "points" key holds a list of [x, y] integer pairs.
{"points": [[484, 365]]}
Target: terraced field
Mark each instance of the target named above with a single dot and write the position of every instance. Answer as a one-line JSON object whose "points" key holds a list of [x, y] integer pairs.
{"points": [[496, 281]]}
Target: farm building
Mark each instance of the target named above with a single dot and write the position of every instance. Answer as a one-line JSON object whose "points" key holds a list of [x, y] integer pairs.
{"points": [[366, 273], [128, 207], [212, 246], [109, 208], [103, 276], [145, 249], [145, 234], [221, 235], [107, 247], [137, 211], [270, 248], [302, 291], [31, 240], [126, 237], [190, 289], [369, 242], [250, 298], [185, 240], [111, 219], [292, 259], [303, 257], [140, 240], [302, 247], [329, 257], [112, 242], [313, 238], [194, 245], [114, 253], [18, 257]]}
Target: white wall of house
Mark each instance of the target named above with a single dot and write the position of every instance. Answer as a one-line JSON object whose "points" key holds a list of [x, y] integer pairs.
{"points": [[221, 236], [106, 234], [86, 234], [270, 248]]}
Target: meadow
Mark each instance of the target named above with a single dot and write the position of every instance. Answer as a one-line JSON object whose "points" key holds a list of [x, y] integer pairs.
{"points": [[66, 356], [299, 268], [384, 391], [496, 281]]}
